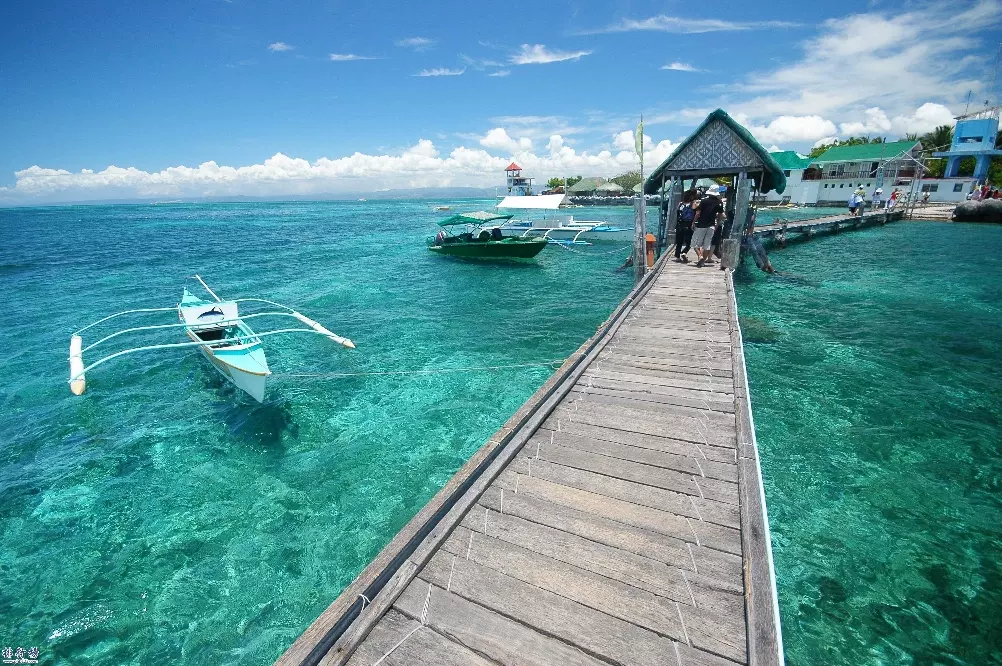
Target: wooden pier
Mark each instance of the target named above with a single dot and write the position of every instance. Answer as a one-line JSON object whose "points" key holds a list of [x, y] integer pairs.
{"points": [[778, 231], [617, 518]]}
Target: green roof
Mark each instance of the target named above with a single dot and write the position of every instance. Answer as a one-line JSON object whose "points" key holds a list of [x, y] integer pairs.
{"points": [[865, 152], [790, 160], [476, 217], [585, 185], [772, 174]]}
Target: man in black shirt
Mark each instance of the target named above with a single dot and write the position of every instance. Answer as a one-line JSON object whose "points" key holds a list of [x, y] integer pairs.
{"points": [[707, 215]]}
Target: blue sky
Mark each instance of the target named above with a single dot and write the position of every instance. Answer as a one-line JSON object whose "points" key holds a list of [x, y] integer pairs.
{"points": [[216, 98]]}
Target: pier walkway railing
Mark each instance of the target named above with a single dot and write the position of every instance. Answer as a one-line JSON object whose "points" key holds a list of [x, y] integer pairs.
{"points": [[617, 518]]}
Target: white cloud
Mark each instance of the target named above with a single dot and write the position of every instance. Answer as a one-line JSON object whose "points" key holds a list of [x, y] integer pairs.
{"points": [[498, 139], [537, 54], [895, 59], [680, 67], [280, 46], [349, 57], [421, 165], [440, 71], [875, 121], [825, 141], [500, 72], [790, 129], [775, 149], [416, 43], [678, 24]]}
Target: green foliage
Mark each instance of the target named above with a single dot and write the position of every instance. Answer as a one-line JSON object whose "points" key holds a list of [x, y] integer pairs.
{"points": [[938, 139], [965, 168], [995, 171], [554, 182], [935, 168], [627, 180], [851, 141], [574, 180]]}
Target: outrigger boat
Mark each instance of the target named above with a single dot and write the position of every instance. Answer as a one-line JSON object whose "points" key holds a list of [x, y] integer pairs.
{"points": [[555, 227], [482, 239], [216, 328]]}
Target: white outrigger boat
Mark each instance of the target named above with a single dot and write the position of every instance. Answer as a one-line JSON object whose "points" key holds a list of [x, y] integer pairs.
{"points": [[216, 328], [556, 227]]}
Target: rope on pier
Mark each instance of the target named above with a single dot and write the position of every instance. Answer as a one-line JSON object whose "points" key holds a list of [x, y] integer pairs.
{"points": [[553, 365]]}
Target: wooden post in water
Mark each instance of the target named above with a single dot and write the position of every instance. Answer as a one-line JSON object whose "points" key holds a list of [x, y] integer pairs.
{"points": [[731, 253], [639, 229]]}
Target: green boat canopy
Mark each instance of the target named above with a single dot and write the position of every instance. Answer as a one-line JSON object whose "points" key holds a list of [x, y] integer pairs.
{"points": [[476, 217]]}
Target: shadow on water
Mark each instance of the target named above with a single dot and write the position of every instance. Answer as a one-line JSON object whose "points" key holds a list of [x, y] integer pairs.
{"points": [[758, 330], [261, 424]]}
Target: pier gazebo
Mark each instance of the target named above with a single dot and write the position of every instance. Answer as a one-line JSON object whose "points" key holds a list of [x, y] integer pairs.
{"points": [[719, 148]]}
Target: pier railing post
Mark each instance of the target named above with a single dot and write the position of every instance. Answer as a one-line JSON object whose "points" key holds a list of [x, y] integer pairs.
{"points": [[731, 254]]}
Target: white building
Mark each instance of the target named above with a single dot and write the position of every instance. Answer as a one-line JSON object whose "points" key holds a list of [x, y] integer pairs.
{"points": [[832, 177]]}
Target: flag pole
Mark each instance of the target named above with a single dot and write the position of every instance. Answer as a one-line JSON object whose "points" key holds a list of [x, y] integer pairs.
{"points": [[640, 210]]}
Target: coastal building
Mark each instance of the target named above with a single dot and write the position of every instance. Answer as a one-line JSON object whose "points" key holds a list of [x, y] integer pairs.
{"points": [[518, 185], [974, 136], [831, 177], [585, 186]]}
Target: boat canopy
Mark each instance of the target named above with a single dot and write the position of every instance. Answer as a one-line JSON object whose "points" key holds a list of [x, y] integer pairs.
{"points": [[544, 201], [476, 217]]}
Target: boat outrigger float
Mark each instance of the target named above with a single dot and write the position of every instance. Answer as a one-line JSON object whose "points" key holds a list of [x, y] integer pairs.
{"points": [[219, 332]]}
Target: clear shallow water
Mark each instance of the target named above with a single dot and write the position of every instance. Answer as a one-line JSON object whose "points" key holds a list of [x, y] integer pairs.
{"points": [[165, 517], [877, 393]]}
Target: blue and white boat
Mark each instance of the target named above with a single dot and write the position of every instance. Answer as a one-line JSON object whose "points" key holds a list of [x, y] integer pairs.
{"points": [[216, 328]]}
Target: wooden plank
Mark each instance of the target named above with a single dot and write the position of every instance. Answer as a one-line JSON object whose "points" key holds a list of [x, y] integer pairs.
{"points": [[637, 606], [700, 532], [687, 463], [485, 632], [722, 454], [592, 631], [644, 394], [595, 525], [584, 399], [631, 420], [402, 641], [672, 501], [677, 380], [636, 570]]}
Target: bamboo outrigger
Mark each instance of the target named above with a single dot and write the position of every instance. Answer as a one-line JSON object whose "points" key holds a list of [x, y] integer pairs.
{"points": [[216, 328]]}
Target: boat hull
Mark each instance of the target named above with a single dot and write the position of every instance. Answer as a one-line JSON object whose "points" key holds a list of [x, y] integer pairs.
{"points": [[252, 383], [504, 249]]}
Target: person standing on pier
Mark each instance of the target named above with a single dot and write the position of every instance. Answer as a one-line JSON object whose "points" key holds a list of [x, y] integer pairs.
{"points": [[707, 215], [683, 228]]}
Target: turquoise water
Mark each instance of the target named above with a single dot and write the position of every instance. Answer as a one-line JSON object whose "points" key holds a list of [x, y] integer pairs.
{"points": [[166, 517], [877, 394]]}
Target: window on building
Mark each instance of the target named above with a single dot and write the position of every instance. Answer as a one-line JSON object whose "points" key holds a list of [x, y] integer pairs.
{"points": [[841, 185], [868, 184], [930, 187], [959, 187], [826, 186], [786, 172]]}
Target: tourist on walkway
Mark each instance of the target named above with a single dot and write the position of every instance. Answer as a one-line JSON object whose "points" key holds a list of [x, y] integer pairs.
{"points": [[707, 215], [893, 201], [877, 196], [683, 227]]}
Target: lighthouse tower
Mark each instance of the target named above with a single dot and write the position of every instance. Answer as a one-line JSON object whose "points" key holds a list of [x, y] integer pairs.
{"points": [[518, 185]]}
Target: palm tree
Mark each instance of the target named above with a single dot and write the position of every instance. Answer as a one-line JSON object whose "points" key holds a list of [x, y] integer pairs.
{"points": [[938, 139]]}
